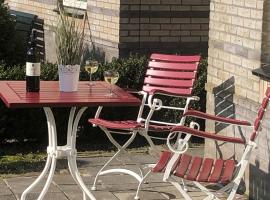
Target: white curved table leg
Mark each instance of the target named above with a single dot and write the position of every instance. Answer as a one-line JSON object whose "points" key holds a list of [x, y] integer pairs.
{"points": [[71, 141], [49, 180], [40, 177], [75, 173]]}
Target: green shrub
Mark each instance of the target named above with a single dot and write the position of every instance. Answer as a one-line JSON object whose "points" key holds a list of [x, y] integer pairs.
{"points": [[7, 31]]}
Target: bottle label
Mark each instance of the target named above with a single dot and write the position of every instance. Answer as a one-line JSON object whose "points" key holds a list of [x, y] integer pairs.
{"points": [[32, 69]]}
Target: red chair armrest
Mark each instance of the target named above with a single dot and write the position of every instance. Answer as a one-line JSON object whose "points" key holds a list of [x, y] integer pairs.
{"points": [[202, 115], [203, 134], [177, 92]]}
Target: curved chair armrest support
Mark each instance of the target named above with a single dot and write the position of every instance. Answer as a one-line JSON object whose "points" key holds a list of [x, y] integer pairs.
{"points": [[198, 114], [97, 114], [203, 134]]}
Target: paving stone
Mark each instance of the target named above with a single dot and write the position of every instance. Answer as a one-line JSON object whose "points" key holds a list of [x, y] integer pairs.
{"points": [[114, 186], [7, 197], [148, 195], [4, 190], [19, 184], [48, 196]]}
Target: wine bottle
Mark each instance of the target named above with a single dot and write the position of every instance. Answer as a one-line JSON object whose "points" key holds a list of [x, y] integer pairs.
{"points": [[32, 66]]}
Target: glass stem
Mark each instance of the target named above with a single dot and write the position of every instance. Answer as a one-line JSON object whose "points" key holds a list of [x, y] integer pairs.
{"points": [[90, 79]]}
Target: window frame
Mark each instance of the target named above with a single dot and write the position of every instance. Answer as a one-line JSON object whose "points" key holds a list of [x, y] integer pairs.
{"points": [[75, 4]]}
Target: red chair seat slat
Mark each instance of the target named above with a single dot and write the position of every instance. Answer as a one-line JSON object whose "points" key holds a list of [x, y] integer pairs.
{"points": [[182, 168], [168, 90], [169, 82], [171, 74], [206, 170], [162, 162], [175, 58], [228, 170], [174, 66], [195, 168], [215, 175], [129, 124]]}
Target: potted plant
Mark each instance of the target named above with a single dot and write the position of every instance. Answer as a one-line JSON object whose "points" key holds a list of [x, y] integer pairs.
{"points": [[69, 48]]}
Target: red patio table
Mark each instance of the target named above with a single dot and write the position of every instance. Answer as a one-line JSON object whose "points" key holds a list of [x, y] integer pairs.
{"points": [[14, 95]]}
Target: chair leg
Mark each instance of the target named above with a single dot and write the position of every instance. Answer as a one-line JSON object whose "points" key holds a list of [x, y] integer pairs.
{"points": [[104, 166], [210, 195], [140, 184], [120, 150], [181, 190]]}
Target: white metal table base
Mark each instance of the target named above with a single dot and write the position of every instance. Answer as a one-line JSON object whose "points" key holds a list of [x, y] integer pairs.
{"points": [[55, 152]]}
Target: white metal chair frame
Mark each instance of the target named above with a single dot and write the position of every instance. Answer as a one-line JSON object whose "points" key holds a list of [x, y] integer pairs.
{"points": [[166, 75], [239, 169], [154, 104]]}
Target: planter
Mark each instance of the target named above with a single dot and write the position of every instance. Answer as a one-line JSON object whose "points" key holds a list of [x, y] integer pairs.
{"points": [[68, 77]]}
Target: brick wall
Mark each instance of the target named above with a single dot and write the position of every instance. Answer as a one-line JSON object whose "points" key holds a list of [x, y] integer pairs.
{"points": [[236, 47], [101, 29], [103, 18], [44, 11], [164, 24], [116, 27]]}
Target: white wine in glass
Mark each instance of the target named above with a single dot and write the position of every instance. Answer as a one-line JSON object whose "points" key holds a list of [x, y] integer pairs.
{"points": [[91, 66], [111, 77]]}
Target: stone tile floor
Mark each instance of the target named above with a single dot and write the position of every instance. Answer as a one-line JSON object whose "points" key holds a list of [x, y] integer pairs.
{"points": [[110, 187]]}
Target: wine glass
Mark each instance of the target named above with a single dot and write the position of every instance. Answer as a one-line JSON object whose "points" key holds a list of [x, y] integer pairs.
{"points": [[91, 66], [111, 77]]}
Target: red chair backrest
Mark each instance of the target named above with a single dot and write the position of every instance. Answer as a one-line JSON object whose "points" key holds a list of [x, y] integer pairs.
{"points": [[174, 74], [260, 115]]}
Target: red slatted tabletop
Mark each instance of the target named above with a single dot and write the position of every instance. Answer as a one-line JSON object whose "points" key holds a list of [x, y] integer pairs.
{"points": [[14, 95]]}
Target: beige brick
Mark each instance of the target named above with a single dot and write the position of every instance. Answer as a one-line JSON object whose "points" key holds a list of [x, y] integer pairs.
{"points": [[256, 14], [239, 2], [235, 59], [237, 21], [243, 32], [257, 35], [251, 3], [250, 23], [243, 12]]}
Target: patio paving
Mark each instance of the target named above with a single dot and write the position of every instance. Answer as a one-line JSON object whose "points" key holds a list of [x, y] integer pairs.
{"points": [[110, 187]]}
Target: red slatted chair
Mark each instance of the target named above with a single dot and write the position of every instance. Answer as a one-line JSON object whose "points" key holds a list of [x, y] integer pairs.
{"points": [[167, 75], [227, 173]]}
